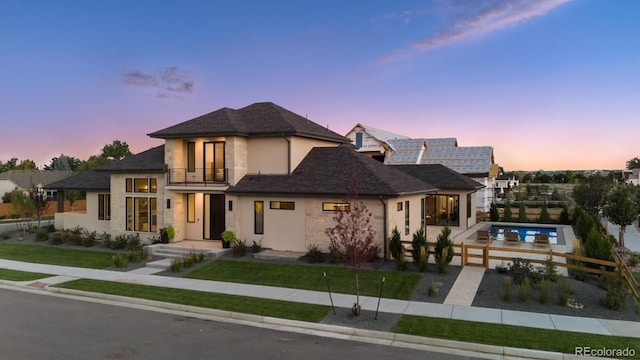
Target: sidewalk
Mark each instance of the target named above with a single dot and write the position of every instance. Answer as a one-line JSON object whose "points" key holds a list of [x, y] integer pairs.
{"points": [[450, 311]]}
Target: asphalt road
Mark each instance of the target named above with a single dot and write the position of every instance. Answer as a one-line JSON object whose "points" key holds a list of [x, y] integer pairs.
{"points": [[35, 326]]}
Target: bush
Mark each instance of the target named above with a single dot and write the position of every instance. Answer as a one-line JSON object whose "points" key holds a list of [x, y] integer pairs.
{"points": [[431, 290], [56, 238], [335, 255], [544, 217], [549, 271], [616, 296], [522, 269], [564, 289], [50, 228], [494, 215], [443, 252], [133, 242], [598, 247], [397, 249], [89, 238], [507, 216], [256, 247], [239, 248], [506, 288], [120, 260], [105, 240], [522, 212], [119, 242], [544, 291], [314, 255], [634, 258], [189, 260], [564, 215], [42, 235], [419, 249], [137, 255], [176, 265], [523, 289]]}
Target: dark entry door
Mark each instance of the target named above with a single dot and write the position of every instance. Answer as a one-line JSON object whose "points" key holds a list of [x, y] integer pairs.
{"points": [[213, 216]]}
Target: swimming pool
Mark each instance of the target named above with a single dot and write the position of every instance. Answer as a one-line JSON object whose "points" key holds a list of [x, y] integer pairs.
{"points": [[527, 233]]}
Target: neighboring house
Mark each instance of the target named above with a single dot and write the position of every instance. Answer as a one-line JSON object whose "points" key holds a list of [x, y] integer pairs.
{"points": [[476, 162], [26, 180], [631, 177], [506, 182], [263, 172], [371, 141]]}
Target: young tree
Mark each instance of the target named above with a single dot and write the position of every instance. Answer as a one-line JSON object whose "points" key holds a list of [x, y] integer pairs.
{"points": [[522, 212], [621, 209], [23, 206], [443, 251], [40, 203], [355, 234], [494, 215], [419, 249], [544, 217], [590, 194], [507, 215]]}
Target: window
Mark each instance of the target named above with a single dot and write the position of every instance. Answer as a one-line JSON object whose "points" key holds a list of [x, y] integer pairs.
{"points": [[191, 208], [282, 205], [468, 206], [399, 205], [330, 206], [358, 140], [191, 156], [104, 207], [407, 230], [141, 214], [141, 185], [258, 215], [129, 185], [443, 210], [153, 185], [423, 213], [214, 161]]}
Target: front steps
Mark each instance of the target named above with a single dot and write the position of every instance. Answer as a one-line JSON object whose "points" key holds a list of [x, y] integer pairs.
{"points": [[171, 251]]}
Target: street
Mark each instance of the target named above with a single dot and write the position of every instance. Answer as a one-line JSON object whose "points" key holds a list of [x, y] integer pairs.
{"points": [[35, 326]]}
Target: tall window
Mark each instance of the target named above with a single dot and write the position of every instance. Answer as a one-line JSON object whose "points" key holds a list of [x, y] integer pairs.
{"points": [[468, 206], [358, 140], [141, 211], [104, 207], [191, 156], [214, 161], [423, 213], [191, 208], [258, 207], [443, 210], [407, 229]]}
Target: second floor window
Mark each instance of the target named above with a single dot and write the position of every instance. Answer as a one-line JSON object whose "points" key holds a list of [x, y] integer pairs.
{"points": [[214, 161]]}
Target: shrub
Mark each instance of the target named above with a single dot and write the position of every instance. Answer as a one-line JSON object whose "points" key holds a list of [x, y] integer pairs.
{"points": [[549, 270], [431, 290], [89, 238], [56, 238], [119, 242], [522, 212], [506, 288], [616, 296], [105, 240], [596, 246], [137, 255], [634, 258], [50, 228], [42, 235], [189, 260], [335, 255], [6, 234], [120, 260], [443, 249], [494, 215], [502, 268], [507, 215], [564, 289], [544, 217], [201, 256], [564, 215], [256, 247], [133, 242], [239, 248], [176, 265], [523, 289], [544, 292], [314, 255], [522, 269], [397, 249], [419, 249]]}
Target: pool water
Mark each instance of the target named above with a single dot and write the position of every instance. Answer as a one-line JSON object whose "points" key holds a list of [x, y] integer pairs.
{"points": [[527, 233]]}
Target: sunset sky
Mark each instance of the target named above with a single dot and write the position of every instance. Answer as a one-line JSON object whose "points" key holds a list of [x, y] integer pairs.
{"points": [[550, 84]]}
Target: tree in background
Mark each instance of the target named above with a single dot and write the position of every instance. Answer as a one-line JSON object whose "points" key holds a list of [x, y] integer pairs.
{"points": [[494, 215], [620, 208], [117, 150], [544, 217], [92, 162], [63, 162], [13, 164], [633, 163], [23, 207], [522, 212], [590, 194], [355, 234], [40, 202], [507, 216]]}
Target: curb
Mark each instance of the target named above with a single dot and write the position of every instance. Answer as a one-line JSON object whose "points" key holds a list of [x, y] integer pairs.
{"points": [[324, 330]]}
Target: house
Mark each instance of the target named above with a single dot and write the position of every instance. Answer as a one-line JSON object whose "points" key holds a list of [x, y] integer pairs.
{"points": [[371, 141], [27, 180], [506, 182], [261, 171], [631, 177]]}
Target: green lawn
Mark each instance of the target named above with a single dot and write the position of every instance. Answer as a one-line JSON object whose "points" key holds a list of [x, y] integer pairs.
{"points": [[241, 304], [398, 285], [56, 256], [15, 275], [508, 335]]}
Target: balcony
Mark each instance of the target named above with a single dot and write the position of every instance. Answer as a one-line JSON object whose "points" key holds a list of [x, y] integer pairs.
{"points": [[198, 177]]}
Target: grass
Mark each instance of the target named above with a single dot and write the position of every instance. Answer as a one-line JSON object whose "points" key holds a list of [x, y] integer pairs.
{"points": [[398, 285], [15, 275], [56, 256], [241, 304], [637, 276], [508, 335]]}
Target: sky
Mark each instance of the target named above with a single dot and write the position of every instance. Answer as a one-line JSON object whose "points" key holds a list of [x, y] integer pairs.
{"points": [[549, 84]]}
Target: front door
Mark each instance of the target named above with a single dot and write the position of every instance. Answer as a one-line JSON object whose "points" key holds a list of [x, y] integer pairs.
{"points": [[213, 216]]}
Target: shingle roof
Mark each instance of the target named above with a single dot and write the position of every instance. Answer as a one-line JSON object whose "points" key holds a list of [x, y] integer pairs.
{"points": [[259, 119], [151, 160], [330, 171], [86, 180], [25, 179], [440, 176]]}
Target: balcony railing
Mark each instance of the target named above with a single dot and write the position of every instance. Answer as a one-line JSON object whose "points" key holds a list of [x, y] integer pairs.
{"points": [[200, 176]]}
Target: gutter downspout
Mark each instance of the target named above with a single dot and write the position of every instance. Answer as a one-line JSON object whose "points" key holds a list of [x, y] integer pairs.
{"points": [[384, 226], [288, 154]]}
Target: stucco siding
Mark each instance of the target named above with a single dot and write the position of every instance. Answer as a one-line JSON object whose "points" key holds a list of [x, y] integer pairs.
{"points": [[300, 147], [267, 155]]}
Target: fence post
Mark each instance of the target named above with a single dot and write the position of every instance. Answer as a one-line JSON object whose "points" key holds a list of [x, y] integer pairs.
{"points": [[463, 255], [486, 256]]}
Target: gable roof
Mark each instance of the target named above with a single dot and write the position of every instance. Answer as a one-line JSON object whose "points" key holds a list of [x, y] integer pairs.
{"points": [[25, 179], [440, 176], [330, 171], [259, 119], [87, 180], [151, 160]]}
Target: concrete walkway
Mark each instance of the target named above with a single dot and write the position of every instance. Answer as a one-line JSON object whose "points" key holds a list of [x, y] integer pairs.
{"points": [[450, 310], [631, 235], [464, 289]]}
